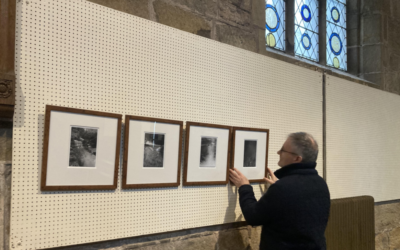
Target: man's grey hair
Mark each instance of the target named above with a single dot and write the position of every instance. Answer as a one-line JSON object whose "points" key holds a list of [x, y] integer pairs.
{"points": [[304, 145]]}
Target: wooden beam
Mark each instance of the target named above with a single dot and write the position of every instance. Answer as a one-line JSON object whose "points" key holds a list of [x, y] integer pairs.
{"points": [[7, 58]]}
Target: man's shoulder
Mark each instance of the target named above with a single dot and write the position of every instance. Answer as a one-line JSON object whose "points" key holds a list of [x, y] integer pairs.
{"points": [[295, 183]]}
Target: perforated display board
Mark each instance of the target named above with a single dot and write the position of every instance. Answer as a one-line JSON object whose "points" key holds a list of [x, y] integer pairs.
{"points": [[363, 145], [81, 55]]}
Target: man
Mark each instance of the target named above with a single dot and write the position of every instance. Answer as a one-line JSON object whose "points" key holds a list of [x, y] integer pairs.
{"points": [[295, 209]]}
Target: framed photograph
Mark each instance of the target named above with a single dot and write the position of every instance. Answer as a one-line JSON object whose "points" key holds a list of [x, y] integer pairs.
{"points": [[152, 156], [250, 152], [81, 150], [207, 154]]}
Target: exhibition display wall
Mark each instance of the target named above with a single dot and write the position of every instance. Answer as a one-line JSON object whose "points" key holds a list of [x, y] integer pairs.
{"points": [[80, 55], [363, 141]]}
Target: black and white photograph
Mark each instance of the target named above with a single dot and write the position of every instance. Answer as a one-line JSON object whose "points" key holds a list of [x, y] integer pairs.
{"points": [[250, 153], [82, 151], [153, 150], [208, 152]]}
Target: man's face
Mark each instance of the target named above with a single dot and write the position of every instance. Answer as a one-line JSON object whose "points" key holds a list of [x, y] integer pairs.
{"points": [[287, 155]]}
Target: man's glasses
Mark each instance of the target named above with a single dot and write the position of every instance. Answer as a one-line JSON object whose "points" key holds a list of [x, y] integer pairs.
{"points": [[281, 150]]}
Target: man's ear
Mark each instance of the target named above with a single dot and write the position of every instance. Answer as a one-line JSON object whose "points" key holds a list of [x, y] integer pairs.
{"points": [[298, 159]]}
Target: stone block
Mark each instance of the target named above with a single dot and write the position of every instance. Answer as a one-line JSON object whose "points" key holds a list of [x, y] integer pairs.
{"points": [[392, 84], [353, 37], [385, 27], [242, 4], [135, 7], [255, 238], [195, 242], [5, 201], [233, 239], [381, 241], [387, 217], [372, 29], [386, 7], [372, 59], [258, 13], [394, 239], [376, 78], [393, 40], [395, 9], [390, 59], [246, 4], [353, 55], [371, 6], [353, 21], [393, 60], [261, 41], [233, 13], [205, 7], [6, 128], [237, 37], [178, 18], [384, 52], [352, 6]]}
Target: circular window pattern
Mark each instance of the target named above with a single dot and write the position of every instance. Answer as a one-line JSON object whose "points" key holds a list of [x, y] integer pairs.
{"points": [[272, 20], [335, 14], [306, 41], [271, 41], [336, 63], [306, 13], [336, 44]]}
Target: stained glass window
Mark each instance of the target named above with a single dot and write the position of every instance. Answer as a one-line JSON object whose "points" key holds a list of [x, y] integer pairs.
{"points": [[275, 24], [306, 29], [336, 47]]}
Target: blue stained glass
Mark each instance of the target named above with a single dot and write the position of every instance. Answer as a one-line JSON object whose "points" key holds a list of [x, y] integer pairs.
{"points": [[335, 14], [305, 13], [335, 43], [275, 24], [272, 25], [336, 39], [306, 42]]}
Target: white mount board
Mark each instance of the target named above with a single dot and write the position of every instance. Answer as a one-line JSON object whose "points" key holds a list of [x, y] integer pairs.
{"points": [[81, 55]]}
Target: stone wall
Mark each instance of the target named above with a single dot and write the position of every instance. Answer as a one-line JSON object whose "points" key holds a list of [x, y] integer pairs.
{"points": [[391, 45], [240, 23], [374, 54], [238, 237], [387, 226], [223, 237], [5, 181], [374, 42]]}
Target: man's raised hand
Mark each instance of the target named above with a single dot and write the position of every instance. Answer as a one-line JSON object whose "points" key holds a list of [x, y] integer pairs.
{"points": [[271, 178], [237, 178]]}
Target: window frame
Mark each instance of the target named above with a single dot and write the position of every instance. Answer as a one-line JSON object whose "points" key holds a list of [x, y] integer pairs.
{"points": [[322, 34]]}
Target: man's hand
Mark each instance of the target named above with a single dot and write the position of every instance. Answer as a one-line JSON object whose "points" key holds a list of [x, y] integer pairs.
{"points": [[271, 178], [237, 178]]}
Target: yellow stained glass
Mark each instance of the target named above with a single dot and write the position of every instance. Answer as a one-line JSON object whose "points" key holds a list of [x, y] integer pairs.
{"points": [[271, 41]]}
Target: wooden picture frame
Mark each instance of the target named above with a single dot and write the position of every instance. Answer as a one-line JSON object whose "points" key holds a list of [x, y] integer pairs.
{"points": [[170, 132], [188, 178], [235, 146], [60, 120]]}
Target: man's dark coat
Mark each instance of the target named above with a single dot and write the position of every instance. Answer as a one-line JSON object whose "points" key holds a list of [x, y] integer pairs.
{"points": [[293, 212]]}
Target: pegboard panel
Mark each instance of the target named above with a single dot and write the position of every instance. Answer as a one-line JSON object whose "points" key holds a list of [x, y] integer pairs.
{"points": [[82, 55], [363, 141]]}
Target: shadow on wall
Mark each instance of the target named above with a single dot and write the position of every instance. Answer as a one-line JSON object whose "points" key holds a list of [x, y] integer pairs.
{"points": [[244, 237], [237, 238]]}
